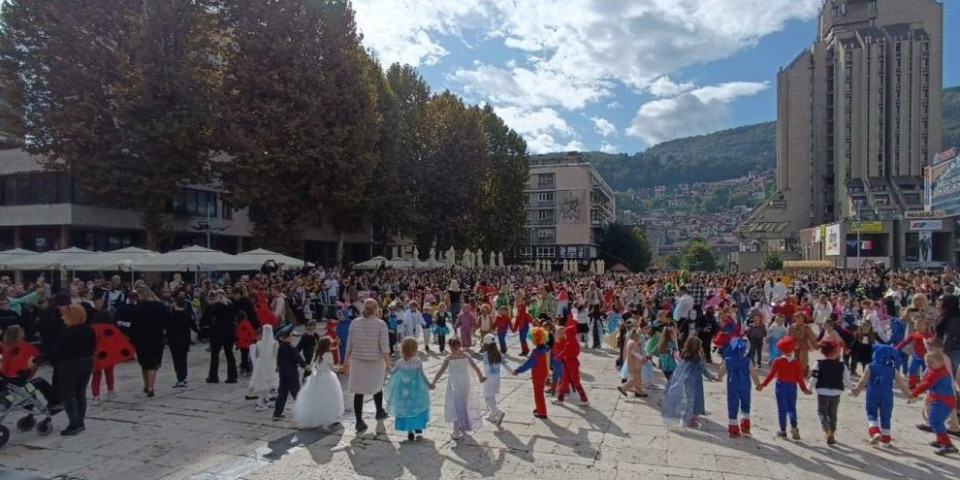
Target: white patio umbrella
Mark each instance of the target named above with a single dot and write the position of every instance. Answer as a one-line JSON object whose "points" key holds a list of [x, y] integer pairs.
{"points": [[48, 260], [262, 255], [372, 264], [195, 259], [10, 255], [122, 259]]}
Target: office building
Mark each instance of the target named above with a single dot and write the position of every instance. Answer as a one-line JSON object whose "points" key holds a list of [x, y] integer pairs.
{"points": [[568, 203], [858, 120]]}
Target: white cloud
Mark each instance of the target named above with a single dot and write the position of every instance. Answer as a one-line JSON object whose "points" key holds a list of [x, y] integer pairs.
{"points": [[695, 112], [530, 88], [543, 129], [608, 148], [664, 87], [604, 127]]}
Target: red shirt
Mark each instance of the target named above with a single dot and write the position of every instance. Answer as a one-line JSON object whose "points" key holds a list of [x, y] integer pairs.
{"points": [[919, 346], [502, 323], [786, 370]]}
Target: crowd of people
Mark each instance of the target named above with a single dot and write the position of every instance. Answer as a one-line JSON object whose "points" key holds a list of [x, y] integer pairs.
{"points": [[888, 329]]}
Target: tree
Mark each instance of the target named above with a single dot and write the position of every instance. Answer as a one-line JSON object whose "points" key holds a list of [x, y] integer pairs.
{"points": [[118, 93], [501, 210], [272, 98], [624, 244], [349, 119], [697, 256], [773, 261]]}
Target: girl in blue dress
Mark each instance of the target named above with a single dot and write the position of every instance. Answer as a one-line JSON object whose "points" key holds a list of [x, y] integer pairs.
{"points": [[408, 392], [441, 322], [683, 401]]}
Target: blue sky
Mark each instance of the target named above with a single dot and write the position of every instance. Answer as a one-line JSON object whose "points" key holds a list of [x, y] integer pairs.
{"points": [[611, 75]]}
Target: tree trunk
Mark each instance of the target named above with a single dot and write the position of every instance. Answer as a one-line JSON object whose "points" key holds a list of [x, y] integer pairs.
{"points": [[339, 259], [154, 225]]}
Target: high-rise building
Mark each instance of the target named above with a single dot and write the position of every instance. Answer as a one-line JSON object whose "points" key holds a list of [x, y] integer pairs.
{"points": [[858, 119], [568, 202]]}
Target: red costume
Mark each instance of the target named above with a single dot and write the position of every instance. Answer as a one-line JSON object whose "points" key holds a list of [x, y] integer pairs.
{"points": [[113, 347], [334, 340], [264, 313], [246, 335], [522, 324], [569, 353], [16, 360], [537, 364]]}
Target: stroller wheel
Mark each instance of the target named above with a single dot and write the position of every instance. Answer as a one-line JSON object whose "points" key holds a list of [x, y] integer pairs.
{"points": [[45, 427], [4, 435], [25, 424]]}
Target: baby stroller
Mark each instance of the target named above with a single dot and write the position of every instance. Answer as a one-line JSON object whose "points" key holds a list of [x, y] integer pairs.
{"points": [[26, 397]]}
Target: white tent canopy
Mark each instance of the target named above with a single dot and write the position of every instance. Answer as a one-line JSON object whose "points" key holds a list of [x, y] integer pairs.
{"points": [[372, 264], [7, 256], [261, 255], [123, 259], [195, 259], [49, 260]]}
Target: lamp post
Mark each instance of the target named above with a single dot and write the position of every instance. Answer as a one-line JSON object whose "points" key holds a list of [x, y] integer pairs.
{"points": [[204, 226]]}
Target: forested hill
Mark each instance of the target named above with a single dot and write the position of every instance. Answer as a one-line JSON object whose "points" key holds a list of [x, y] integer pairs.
{"points": [[722, 155], [704, 158]]}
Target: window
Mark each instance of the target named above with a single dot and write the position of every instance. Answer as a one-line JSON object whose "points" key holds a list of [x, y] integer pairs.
{"points": [[194, 203], [545, 233], [545, 214], [545, 179], [526, 251], [36, 188], [227, 211], [546, 252], [545, 197]]}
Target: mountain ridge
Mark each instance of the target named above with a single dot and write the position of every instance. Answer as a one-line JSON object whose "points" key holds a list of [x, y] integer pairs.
{"points": [[722, 155]]}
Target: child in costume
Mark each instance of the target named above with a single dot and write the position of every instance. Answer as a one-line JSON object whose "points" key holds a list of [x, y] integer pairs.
{"points": [[915, 343], [776, 331], [320, 402], [522, 325], [331, 334], [289, 362], [739, 370], [935, 345], [502, 325], [462, 406], [307, 345], [832, 378], [246, 335], [412, 322], [636, 358], [682, 401], [664, 345], [263, 356], [441, 322], [113, 348], [492, 364], [393, 323], [789, 374], [408, 392], [426, 324], [344, 319], [569, 355], [17, 367], [878, 379], [943, 400], [537, 364]]}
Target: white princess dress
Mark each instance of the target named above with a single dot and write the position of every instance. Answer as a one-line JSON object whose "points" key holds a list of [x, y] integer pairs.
{"points": [[462, 405], [320, 401]]}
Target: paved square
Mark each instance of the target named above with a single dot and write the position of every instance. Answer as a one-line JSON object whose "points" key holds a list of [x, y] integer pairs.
{"points": [[210, 432]]}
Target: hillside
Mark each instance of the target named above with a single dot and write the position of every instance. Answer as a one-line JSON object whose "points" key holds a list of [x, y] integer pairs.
{"points": [[722, 155]]}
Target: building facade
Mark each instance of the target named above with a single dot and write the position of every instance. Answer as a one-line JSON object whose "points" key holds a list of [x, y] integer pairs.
{"points": [[568, 203], [858, 120], [42, 211]]}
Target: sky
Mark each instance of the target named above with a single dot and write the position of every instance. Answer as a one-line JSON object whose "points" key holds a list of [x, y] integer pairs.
{"points": [[607, 75]]}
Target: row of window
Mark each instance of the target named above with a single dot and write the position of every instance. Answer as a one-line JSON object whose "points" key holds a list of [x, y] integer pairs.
{"points": [[36, 188]]}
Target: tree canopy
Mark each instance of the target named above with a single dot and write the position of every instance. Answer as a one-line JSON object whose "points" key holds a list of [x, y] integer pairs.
{"points": [[625, 244], [697, 256]]}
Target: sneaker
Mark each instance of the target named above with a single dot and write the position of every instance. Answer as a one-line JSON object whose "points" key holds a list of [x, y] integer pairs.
{"points": [[382, 415], [456, 435], [781, 434], [557, 401], [361, 426], [623, 391], [946, 450], [419, 435], [212, 380], [795, 433], [500, 418], [875, 439], [260, 408], [584, 403], [95, 401], [70, 431], [250, 397], [277, 418], [924, 427], [541, 417], [180, 385], [410, 437], [936, 444], [831, 439]]}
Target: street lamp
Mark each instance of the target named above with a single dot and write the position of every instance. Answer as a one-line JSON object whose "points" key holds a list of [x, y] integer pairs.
{"points": [[204, 225]]}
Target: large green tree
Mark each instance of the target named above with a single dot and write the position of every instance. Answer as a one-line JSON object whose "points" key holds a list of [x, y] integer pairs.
{"points": [[350, 122], [272, 100], [501, 208], [624, 244], [119, 93], [697, 256]]}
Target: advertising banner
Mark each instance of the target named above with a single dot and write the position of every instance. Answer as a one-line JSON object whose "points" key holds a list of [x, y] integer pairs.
{"points": [[865, 227], [925, 225], [833, 240], [926, 246]]}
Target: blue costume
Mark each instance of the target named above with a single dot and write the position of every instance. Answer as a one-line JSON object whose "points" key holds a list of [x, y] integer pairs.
{"points": [[738, 386], [683, 398], [883, 371], [343, 331]]}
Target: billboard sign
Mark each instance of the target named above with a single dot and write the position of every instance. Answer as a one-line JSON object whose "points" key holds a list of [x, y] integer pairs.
{"points": [[925, 225], [866, 227], [833, 240]]}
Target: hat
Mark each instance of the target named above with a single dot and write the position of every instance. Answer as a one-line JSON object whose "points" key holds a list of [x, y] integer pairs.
{"points": [[284, 331], [539, 336], [489, 339], [787, 345]]}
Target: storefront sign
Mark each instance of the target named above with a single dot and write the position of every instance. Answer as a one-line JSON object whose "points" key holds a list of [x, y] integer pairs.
{"points": [[925, 225], [865, 227], [922, 214]]}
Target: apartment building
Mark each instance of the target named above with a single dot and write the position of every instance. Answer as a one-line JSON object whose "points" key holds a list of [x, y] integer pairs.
{"points": [[858, 120], [568, 203]]}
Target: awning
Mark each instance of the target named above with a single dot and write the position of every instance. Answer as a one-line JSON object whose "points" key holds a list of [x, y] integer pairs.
{"points": [[807, 264]]}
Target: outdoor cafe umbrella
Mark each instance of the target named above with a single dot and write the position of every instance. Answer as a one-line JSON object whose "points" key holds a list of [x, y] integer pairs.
{"points": [[195, 259], [48, 260], [10, 255], [263, 256]]}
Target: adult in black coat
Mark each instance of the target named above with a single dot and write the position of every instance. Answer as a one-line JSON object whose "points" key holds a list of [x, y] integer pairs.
{"points": [[179, 324], [146, 334], [221, 315], [948, 328]]}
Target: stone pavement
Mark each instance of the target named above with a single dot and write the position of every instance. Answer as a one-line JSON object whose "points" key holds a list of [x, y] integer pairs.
{"points": [[209, 432]]}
